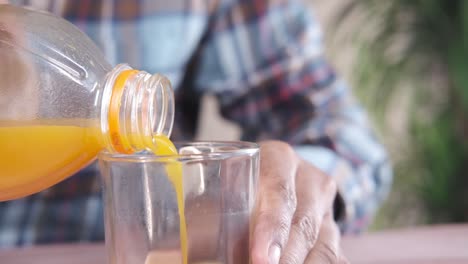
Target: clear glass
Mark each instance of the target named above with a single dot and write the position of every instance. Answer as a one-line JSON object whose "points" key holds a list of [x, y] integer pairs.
{"points": [[61, 102], [142, 216]]}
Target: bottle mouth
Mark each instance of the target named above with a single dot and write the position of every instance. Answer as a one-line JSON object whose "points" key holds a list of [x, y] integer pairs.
{"points": [[139, 107]]}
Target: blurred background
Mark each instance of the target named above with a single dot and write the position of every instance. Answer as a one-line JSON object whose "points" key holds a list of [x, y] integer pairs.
{"points": [[407, 61]]}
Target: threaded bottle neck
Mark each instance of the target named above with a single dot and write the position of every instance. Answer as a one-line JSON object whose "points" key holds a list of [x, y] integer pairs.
{"points": [[136, 107]]}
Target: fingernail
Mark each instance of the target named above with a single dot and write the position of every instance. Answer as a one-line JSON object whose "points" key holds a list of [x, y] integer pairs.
{"points": [[274, 254]]}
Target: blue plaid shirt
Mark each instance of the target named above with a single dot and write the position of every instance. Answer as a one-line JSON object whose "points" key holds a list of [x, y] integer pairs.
{"points": [[263, 60]]}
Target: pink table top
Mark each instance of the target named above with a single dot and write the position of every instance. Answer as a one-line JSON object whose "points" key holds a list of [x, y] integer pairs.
{"points": [[429, 245]]}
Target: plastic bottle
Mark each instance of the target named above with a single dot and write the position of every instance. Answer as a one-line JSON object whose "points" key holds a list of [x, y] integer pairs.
{"points": [[61, 103]]}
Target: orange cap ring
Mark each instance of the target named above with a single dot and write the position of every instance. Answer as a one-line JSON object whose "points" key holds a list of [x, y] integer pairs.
{"points": [[119, 142]]}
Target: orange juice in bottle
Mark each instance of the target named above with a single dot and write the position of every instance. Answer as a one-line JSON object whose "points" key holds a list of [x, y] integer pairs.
{"points": [[36, 154], [61, 102]]}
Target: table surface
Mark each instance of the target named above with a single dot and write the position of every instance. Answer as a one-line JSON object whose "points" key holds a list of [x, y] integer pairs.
{"points": [[429, 245]]}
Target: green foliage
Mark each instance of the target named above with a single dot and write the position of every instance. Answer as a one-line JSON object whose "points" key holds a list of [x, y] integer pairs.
{"points": [[423, 44]]}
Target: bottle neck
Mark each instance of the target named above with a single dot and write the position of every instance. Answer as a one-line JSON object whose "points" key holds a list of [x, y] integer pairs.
{"points": [[136, 107]]}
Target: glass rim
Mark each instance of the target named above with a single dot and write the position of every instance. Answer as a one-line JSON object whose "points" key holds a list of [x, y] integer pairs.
{"points": [[244, 148]]}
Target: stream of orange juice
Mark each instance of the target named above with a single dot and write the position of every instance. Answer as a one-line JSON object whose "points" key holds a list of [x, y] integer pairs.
{"points": [[164, 147], [35, 157]]}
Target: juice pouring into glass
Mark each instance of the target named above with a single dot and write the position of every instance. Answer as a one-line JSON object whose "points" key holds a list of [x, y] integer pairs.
{"points": [[62, 102]]}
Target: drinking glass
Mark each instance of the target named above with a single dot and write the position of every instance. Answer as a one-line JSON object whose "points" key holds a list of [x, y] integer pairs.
{"points": [[210, 185]]}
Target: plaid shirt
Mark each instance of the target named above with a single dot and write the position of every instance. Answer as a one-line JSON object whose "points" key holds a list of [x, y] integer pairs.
{"points": [[262, 59]]}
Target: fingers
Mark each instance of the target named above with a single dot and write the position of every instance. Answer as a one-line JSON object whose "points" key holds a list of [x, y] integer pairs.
{"points": [[327, 248], [276, 202], [315, 195], [293, 221]]}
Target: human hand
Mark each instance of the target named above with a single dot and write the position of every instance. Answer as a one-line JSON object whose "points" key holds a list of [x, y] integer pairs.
{"points": [[294, 213]]}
